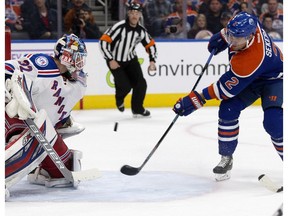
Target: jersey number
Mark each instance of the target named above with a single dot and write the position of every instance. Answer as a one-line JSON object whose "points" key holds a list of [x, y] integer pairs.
{"points": [[230, 83], [24, 66]]}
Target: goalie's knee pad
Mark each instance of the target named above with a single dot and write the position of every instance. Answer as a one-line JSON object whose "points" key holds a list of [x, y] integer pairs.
{"points": [[40, 176]]}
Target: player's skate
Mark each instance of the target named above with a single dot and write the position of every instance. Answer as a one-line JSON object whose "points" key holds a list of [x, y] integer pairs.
{"points": [[223, 169], [41, 177], [144, 114], [70, 128]]}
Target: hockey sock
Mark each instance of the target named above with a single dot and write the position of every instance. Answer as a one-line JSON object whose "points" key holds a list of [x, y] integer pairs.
{"points": [[227, 136]]}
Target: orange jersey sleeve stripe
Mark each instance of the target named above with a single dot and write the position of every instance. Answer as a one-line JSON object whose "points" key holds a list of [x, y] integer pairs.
{"points": [[106, 38], [246, 62], [152, 43], [211, 92]]}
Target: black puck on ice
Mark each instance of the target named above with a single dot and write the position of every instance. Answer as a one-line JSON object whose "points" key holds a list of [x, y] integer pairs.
{"points": [[115, 126]]}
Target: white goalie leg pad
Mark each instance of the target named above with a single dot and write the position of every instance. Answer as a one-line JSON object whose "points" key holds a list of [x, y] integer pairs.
{"points": [[77, 156], [41, 177], [223, 177], [70, 128], [7, 194], [24, 154]]}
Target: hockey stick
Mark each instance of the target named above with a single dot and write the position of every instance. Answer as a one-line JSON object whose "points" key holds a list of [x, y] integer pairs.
{"points": [[279, 211], [129, 170], [68, 175], [269, 184]]}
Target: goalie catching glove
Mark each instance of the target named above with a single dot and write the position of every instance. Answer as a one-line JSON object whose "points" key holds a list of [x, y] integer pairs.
{"points": [[188, 104], [21, 104]]}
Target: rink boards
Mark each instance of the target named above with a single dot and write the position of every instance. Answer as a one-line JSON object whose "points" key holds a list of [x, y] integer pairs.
{"points": [[179, 64]]}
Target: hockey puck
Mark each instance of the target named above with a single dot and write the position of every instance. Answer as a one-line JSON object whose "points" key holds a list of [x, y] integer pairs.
{"points": [[116, 126]]}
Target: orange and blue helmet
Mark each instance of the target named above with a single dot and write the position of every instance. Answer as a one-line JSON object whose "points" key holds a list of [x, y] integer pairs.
{"points": [[242, 25]]}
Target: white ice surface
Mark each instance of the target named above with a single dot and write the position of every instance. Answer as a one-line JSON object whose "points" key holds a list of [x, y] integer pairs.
{"points": [[176, 181]]}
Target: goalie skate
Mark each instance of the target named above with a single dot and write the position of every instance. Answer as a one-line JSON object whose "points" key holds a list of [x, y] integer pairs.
{"points": [[223, 169], [41, 176]]}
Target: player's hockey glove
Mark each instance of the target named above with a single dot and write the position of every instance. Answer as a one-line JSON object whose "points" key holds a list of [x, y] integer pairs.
{"points": [[218, 42], [188, 104]]}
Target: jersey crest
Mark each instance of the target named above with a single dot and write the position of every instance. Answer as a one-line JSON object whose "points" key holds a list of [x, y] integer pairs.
{"points": [[41, 61]]}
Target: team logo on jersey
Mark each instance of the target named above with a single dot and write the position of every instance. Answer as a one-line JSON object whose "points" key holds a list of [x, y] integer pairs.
{"points": [[251, 21], [41, 61]]}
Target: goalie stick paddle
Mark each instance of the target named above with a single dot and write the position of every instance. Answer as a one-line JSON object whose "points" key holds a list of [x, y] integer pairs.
{"points": [[129, 170], [68, 175]]}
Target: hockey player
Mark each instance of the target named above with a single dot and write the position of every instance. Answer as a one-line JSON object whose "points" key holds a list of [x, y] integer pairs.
{"points": [[44, 88], [256, 71]]}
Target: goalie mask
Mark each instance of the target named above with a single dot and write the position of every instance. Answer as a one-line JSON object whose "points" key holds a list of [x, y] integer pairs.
{"points": [[71, 51]]}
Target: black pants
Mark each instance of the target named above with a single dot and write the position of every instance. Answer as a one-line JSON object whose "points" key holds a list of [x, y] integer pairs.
{"points": [[130, 76]]}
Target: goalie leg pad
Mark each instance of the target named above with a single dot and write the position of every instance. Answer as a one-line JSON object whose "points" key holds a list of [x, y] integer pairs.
{"points": [[64, 153], [40, 176], [24, 154], [7, 194]]}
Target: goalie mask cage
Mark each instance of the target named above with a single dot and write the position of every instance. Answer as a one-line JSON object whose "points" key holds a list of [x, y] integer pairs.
{"points": [[7, 43]]}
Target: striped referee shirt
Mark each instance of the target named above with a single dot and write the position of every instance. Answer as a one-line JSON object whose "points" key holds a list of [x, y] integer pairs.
{"points": [[119, 42]]}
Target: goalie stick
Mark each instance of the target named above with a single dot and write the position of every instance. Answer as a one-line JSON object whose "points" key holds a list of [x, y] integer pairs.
{"points": [[269, 184], [129, 170], [68, 175]]}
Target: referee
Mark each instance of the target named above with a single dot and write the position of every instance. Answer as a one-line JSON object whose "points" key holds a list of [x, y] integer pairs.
{"points": [[118, 45]]}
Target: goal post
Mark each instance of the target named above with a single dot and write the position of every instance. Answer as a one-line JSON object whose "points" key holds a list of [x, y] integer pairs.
{"points": [[7, 43]]}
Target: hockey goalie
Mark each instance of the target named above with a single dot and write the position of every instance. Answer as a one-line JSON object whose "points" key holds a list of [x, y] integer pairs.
{"points": [[43, 88]]}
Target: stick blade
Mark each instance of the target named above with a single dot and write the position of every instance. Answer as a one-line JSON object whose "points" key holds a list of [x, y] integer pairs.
{"points": [[269, 184], [85, 175], [128, 170]]}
